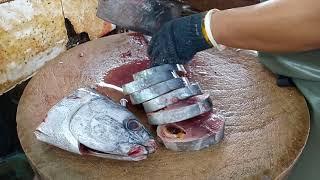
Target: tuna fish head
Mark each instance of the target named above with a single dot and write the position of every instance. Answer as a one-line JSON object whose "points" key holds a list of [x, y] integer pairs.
{"points": [[88, 123]]}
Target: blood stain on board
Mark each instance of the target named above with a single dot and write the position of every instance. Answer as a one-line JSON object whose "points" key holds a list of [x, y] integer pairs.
{"points": [[123, 74], [139, 38], [126, 54]]}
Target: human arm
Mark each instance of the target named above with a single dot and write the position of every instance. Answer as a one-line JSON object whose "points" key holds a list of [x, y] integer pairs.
{"points": [[274, 26]]}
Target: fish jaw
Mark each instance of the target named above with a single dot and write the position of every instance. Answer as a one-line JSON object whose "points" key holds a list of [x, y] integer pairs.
{"points": [[117, 157], [136, 153], [141, 151], [137, 156]]}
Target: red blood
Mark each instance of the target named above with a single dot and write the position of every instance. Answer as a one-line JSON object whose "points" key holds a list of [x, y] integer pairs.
{"points": [[123, 74], [139, 38], [136, 151], [188, 73], [174, 100], [186, 102], [126, 54], [183, 103], [83, 149]]}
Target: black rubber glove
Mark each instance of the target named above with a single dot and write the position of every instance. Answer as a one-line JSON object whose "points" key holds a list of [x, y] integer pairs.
{"points": [[178, 41]]}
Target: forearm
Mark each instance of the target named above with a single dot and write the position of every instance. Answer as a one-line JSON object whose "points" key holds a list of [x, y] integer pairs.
{"points": [[274, 26], [204, 5]]}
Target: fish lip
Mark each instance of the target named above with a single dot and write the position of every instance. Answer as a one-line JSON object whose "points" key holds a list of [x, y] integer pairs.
{"points": [[137, 151], [143, 150]]}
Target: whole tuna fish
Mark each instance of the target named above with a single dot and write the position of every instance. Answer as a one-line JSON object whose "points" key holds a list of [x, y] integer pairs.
{"points": [[88, 123]]}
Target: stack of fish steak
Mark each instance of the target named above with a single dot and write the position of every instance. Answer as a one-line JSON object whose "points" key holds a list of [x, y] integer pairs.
{"points": [[166, 95], [143, 83], [151, 83], [182, 111], [157, 90]]}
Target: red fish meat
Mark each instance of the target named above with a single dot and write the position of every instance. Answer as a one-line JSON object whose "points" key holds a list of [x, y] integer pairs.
{"points": [[193, 134]]}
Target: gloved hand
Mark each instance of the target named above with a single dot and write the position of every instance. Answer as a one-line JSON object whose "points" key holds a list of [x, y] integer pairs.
{"points": [[178, 41]]}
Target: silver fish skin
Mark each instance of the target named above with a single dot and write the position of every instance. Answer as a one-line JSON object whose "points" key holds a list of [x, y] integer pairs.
{"points": [[157, 90], [141, 84], [171, 98], [88, 123], [199, 104], [159, 69]]}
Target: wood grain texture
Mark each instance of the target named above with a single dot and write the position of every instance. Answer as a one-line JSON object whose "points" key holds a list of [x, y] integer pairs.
{"points": [[266, 126]]}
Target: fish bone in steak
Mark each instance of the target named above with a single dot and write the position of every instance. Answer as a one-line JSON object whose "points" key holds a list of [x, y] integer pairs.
{"points": [[193, 134]]}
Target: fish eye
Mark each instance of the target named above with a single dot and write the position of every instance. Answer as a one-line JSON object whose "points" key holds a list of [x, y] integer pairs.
{"points": [[133, 125]]}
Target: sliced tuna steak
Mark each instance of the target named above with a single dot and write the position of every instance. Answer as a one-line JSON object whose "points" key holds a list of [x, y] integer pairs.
{"points": [[193, 134], [140, 84], [159, 89], [182, 110], [171, 98], [158, 69]]}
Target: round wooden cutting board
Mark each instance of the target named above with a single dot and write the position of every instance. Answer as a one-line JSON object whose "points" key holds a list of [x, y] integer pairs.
{"points": [[266, 126]]}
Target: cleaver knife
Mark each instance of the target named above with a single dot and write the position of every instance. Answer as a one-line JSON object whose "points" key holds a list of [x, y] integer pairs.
{"points": [[144, 16]]}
